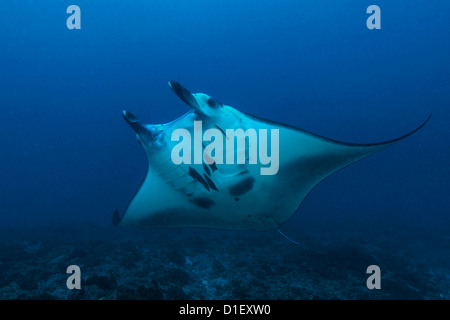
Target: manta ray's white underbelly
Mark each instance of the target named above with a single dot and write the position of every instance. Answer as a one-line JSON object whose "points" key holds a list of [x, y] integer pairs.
{"points": [[182, 197]]}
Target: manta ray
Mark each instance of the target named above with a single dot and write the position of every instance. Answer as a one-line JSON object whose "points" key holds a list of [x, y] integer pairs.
{"points": [[231, 196]]}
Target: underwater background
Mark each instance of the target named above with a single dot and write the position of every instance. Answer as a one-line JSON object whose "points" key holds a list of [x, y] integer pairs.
{"points": [[68, 159]]}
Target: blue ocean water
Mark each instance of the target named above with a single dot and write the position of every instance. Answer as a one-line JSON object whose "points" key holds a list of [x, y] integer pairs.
{"points": [[68, 158]]}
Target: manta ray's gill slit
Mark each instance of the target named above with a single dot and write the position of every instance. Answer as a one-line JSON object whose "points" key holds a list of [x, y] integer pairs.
{"points": [[174, 182], [174, 176], [161, 165], [185, 187], [169, 171]]}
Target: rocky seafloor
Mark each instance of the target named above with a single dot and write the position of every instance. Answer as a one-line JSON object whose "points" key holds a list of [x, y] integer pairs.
{"points": [[144, 263]]}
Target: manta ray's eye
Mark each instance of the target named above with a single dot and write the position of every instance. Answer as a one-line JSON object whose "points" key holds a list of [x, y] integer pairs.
{"points": [[211, 102]]}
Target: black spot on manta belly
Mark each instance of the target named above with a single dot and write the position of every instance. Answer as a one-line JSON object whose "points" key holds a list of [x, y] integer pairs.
{"points": [[210, 182], [213, 166], [203, 202], [242, 187], [206, 169], [196, 176]]}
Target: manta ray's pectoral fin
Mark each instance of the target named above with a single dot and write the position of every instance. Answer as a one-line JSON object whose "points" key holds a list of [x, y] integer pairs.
{"points": [[340, 154], [334, 155], [306, 159]]}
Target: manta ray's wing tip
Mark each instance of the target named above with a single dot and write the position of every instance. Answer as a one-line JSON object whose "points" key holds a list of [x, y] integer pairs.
{"points": [[389, 142], [418, 128]]}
